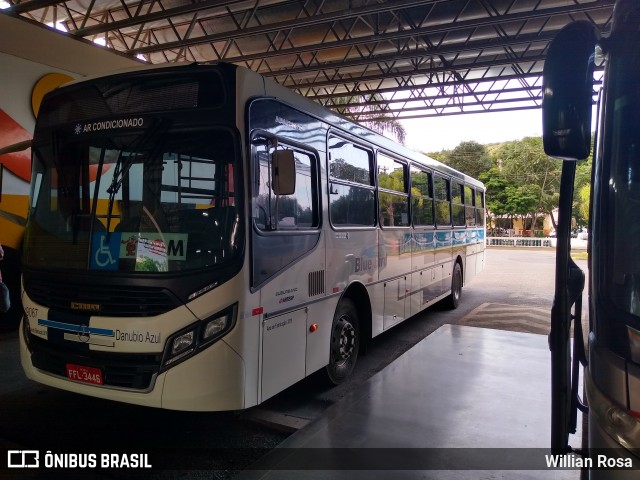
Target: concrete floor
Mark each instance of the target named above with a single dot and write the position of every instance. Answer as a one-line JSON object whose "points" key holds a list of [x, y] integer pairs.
{"points": [[464, 403]]}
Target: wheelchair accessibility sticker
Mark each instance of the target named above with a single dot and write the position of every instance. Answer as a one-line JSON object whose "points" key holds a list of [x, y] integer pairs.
{"points": [[151, 252], [105, 253]]}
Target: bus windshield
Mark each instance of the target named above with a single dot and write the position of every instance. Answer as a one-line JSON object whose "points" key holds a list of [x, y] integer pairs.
{"points": [[154, 200], [622, 146]]}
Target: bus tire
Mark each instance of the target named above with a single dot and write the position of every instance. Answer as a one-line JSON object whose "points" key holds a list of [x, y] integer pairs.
{"points": [[344, 342], [453, 300]]}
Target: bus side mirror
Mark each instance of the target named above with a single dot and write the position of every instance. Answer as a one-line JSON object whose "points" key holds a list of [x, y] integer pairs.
{"points": [[283, 172], [567, 92]]}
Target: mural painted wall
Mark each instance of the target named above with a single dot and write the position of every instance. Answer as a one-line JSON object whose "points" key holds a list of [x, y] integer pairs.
{"points": [[19, 93], [28, 72]]}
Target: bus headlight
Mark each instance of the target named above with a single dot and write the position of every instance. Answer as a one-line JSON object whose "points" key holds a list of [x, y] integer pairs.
{"points": [[182, 342], [197, 337], [214, 327]]}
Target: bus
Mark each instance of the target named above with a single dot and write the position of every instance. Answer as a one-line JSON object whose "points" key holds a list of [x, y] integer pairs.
{"points": [[200, 238], [612, 352]]}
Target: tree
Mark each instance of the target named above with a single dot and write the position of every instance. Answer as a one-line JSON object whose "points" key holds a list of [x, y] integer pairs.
{"points": [[383, 124], [582, 192], [496, 195], [370, 114], [522, 202], [440, 156], [470, 157], [524, 162], [582, 200], [517, 172]]}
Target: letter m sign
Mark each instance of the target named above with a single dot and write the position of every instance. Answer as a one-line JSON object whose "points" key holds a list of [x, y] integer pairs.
{"points": [[176, 246]]}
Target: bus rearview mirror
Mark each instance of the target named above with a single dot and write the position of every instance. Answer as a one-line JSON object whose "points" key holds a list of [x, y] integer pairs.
{"points": [[283, 172], [567, 92]]}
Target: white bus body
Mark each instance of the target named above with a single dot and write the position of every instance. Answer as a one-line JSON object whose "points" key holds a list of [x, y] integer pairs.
{"points": [[299, 269]]}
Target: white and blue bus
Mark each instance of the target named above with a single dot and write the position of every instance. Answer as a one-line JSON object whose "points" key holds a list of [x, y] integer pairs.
{"points": [[612, 353], [200, 238]]}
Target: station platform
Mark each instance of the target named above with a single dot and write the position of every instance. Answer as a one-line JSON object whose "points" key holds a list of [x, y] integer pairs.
{"points": [[464, 403]]}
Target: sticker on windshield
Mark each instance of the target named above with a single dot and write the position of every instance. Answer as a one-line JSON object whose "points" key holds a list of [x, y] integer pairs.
{"points": [[105, 252], [151, 251], [151, 254], [173, 246]]}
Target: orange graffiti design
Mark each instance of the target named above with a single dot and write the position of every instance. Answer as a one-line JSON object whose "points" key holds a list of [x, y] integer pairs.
{"points": [[19, 163]]}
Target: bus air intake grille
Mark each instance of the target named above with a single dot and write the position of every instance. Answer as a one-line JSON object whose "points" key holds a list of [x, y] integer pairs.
{"points": [[316, 283], [135, 371], [109, 300]]}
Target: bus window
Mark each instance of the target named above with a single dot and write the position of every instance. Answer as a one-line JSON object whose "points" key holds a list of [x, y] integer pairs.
{"points": [[392, 194], [443, 205], [351, 189], [422, 197], [155, 192], [469, 202], [298, 211], [457, 204], [479, 208]]}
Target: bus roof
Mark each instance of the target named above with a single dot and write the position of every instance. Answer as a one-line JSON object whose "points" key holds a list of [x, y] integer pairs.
{"points": [[273, 89]]}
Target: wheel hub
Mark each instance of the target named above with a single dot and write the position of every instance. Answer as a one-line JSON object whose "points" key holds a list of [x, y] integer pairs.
{"points": [[346, 339]]}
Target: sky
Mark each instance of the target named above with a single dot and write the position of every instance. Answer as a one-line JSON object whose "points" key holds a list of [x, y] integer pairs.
{"points": [[437, 133]]}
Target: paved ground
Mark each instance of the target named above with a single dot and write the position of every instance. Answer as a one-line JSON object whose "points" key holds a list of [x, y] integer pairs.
{"points": [[513, 318], [519, 285], [513, 293]]}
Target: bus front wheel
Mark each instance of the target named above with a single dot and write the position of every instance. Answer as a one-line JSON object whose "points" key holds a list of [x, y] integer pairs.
{"points": [[345, 342]]}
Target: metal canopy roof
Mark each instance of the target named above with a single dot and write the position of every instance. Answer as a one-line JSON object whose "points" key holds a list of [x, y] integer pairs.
{"points": [[408, 58]]}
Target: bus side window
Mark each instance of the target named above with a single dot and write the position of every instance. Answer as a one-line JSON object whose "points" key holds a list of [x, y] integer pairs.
{"points": [[392, 192], [443, 204], [422, 197], [457, 204], [298, 211], [469, 206], [351, 187], [479, 208]]}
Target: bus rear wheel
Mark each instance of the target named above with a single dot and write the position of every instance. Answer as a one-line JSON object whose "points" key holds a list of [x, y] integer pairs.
{"points": [[345, 343], [453, 300]]}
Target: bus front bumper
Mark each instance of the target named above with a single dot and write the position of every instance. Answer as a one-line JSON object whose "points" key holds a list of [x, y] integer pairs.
{"points": [[212, 380]]}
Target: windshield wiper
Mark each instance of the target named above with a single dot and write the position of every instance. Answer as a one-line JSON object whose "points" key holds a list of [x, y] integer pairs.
{"points": [[124, 164], [121, 169]]}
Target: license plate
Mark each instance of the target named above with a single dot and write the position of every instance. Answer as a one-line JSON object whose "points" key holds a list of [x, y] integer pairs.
{"points": [[83, 374]]}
